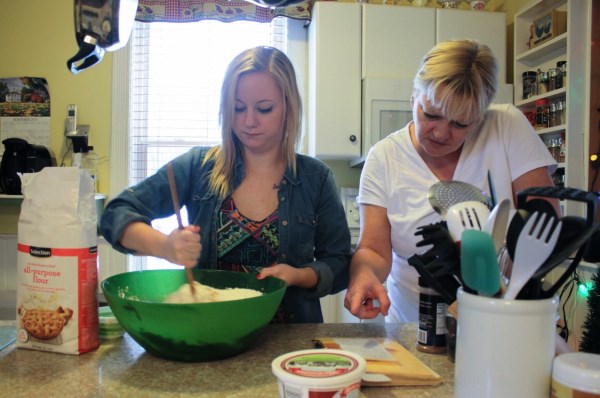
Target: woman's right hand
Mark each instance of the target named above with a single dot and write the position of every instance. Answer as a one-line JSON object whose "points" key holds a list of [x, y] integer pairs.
{"points": [[364, 288], [183, 246]]}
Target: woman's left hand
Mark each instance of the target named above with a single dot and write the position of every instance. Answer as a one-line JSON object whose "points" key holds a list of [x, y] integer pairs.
{"points": [[302, 277]]}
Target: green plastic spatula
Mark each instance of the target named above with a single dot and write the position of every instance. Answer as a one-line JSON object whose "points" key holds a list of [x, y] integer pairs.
{"points": [[478, 262]]}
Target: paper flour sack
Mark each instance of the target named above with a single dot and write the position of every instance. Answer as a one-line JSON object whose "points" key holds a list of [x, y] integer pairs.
{"points": [[57, 268]]}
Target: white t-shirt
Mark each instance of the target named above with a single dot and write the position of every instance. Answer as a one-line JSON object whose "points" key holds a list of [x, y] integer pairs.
{"points": [[395, 177]]}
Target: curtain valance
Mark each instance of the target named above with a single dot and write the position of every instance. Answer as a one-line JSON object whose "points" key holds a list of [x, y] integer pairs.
{"points": [[221, 10]]}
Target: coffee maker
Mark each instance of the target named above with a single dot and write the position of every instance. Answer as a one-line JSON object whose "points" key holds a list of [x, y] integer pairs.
{"points": [[21, 157]]}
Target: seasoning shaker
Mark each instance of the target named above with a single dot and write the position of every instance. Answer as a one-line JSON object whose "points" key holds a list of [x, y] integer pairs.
{"points": [[541, 114], [542, 82], [431, 333], [552, 115], [560, 113], [552, 77], [562, 65], [529, 86]]}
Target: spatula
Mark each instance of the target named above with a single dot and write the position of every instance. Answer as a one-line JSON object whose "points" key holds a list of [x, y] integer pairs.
{"points": [[478, 262]]}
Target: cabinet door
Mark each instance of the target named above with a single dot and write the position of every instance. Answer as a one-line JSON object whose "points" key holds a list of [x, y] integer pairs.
{"points": [[487, 27], [334, 85], [395, 39]]}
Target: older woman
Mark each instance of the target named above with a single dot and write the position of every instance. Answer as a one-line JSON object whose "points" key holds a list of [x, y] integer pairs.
{"points": [[456, 134]]}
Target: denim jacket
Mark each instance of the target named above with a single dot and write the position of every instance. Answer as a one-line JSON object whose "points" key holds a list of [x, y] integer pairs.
{"points": [[313, 231]]}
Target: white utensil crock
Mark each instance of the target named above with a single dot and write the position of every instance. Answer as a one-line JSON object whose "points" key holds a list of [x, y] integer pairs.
{"points": [[504, 348]]}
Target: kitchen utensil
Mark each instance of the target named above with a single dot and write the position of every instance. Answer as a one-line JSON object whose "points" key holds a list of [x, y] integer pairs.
{"points": [[493, 197], [520, 218], [100, 26], [478, 262], [175, 197], [497, 223], [577, 244], [466, 215], [535, 244], [445, 194], [191, 332], [439, 265]]}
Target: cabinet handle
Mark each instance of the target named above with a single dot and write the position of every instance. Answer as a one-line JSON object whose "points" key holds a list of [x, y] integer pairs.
{"points": [[352, 138]]}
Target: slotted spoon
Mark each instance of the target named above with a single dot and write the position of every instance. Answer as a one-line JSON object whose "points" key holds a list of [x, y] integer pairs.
{"points": [[535, 244], [445, 194], [466, 215]]}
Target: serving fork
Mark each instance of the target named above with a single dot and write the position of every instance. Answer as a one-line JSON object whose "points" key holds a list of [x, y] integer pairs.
{"points": [[536, 242]]}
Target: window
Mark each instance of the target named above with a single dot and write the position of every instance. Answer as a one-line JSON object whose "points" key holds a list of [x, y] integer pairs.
{"points": [[166, 88]]}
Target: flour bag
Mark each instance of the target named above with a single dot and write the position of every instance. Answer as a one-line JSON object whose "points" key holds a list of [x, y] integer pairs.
{"points": [[57, 268]]}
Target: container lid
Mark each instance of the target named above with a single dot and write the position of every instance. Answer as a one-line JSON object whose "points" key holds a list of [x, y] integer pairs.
{"points": [[580, 370], [106, 316], [530, 73], [319, 367]]}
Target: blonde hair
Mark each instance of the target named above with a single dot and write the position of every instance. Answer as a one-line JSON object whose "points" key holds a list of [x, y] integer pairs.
{"points": [[257, 59], [460, 77]]}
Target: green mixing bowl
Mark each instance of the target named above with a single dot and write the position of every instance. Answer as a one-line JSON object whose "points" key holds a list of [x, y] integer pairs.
{"points": [[191, 332]]}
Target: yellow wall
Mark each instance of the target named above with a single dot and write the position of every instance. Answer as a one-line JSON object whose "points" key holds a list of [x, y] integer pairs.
{"points": [[36, 39]]}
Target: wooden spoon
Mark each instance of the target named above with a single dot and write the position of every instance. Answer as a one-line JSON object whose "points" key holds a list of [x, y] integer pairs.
{"points": [[173, 187]]}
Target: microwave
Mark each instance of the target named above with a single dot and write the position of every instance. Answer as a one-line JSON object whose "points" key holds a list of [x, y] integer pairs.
{"points": [[385, 108]]}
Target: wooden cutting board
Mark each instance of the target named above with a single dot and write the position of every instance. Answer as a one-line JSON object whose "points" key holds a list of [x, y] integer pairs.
{"points": [[385, 357]]}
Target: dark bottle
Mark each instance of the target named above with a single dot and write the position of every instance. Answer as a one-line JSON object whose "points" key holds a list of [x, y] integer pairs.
{"points": [[431, 333]]}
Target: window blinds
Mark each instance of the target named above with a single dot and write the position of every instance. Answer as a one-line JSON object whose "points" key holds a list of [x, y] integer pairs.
{"points": [[176, 75], [176, 71]]}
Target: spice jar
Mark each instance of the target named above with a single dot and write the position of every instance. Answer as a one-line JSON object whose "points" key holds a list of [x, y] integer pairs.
{"points": [[562, 65], [553, 148], [529, 86], [541, 114], [560, 113], [542, 82], [552, 115], [562, 152], [552, 83], [431, 333]]}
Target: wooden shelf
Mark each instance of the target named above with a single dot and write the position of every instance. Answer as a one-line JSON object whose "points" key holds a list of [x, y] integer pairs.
{"points": [[550, 96], [543, 51]]}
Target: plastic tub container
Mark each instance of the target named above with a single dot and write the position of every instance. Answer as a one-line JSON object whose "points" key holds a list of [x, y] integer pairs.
{"points": [[110, 328], [321, 373], [576, 374]]}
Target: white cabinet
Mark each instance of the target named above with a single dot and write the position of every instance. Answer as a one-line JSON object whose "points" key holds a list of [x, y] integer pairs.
{"points": [[487, 27], [334, 85], [348, 42], [573, 47], [394, 39]]}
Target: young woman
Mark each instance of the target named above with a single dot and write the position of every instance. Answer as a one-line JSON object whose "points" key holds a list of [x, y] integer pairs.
{"points": [[254, 204]]}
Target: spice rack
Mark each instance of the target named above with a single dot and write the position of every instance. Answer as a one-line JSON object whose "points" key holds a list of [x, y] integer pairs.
{"points": [[558, 46]]}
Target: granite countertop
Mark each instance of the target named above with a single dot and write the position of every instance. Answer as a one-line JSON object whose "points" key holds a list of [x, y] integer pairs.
{"points": [[122, 368]]}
